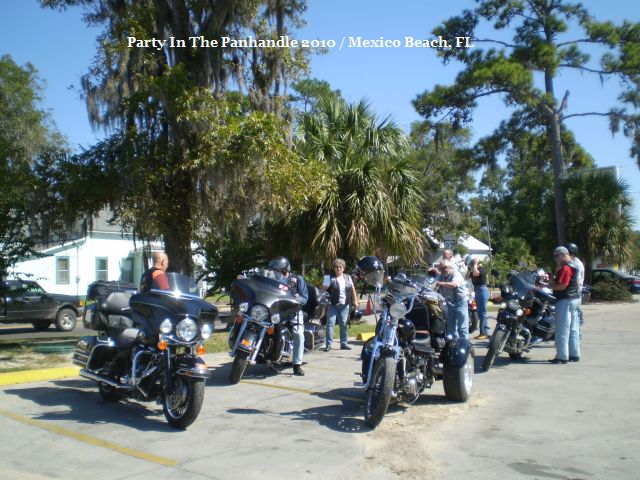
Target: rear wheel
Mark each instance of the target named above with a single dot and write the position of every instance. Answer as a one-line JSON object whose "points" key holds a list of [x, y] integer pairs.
{"points": [[494, 345], [474, 321], [379, 392], [66, 320], [41, 324], [239, 366], [457, 381], [182, 405], [108, 393]]}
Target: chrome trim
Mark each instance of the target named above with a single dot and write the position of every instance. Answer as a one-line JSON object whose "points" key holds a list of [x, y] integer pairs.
{"points": [[97, 378]]}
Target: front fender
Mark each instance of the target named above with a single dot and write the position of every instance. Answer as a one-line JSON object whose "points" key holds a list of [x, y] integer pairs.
{"points": [[456, 351], [191, 366]]}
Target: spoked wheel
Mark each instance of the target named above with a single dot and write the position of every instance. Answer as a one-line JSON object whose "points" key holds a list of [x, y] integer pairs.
{"points": [[182, 405], [457, 381], [239, 366], [495, 345], [379, 392]]}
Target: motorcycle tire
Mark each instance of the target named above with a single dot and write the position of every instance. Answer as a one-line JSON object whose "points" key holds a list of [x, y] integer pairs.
{"points": [[515, 356], [457, 381], [379, 392], [497, 339], [474, 321], [108, 393], [182, 405], [238, 367]]}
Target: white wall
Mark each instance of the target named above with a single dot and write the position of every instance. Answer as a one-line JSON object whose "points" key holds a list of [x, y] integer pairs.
{"points": [[82, 263]]}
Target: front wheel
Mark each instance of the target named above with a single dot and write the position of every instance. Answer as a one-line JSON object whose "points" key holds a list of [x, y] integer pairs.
{"points": [[458, 380], [182, 405], [239, 366], [379, 392], [496, 342], [108, 393], [66, 320]]}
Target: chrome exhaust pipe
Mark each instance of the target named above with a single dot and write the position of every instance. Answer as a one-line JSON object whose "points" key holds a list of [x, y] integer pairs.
{"points": [[97, 378]]}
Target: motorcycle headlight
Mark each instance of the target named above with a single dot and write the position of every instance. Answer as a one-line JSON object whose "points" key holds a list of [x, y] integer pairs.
{"points": [[275, 318], [397, 310], [244, 306], [206, 331], [519, 312], [166, 326], [513, 305], [187, 330], [259, 313], [503, 306]]}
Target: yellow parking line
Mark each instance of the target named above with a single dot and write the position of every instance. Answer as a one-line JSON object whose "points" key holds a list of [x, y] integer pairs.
{"points": [[26, 376], [299, 390], [89, 439]]}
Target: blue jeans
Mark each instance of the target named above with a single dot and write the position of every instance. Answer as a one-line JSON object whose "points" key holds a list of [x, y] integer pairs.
{"points": [[341, 312], [458, 318], [567, 328], [482, 298]]}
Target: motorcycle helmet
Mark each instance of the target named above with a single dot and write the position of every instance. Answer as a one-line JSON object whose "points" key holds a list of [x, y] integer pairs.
{"points": [[406, 329], [280, 263], [572, 247], [356, 314], [371, 270], [468, 259]]}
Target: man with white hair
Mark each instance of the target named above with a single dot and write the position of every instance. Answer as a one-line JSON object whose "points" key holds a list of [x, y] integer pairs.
{"points": [[454, 289]]}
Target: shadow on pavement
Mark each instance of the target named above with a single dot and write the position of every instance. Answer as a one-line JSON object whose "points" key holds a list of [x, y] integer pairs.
{"points": [[86, 406]]}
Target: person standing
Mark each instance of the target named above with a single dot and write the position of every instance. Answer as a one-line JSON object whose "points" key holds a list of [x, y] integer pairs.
{"points": [[155, 277], [478, 277], [573, 252], [342, 294], [296, 285], [565, 289], [454, 289], [447, 254]]}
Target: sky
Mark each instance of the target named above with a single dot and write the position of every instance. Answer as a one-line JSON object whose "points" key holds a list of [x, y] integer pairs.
{"points": [[62, 47]]}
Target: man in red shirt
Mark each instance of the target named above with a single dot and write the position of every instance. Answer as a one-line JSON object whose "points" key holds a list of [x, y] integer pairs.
{"points": [[567, 292]]}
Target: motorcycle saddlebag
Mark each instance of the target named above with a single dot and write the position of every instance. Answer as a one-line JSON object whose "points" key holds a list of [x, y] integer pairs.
{"points": [[544, 329], [93, 318], [83, 351]]}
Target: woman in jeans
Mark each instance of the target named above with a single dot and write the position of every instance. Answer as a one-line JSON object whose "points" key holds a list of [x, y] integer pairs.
{"points": [[479, 279], [342, 294]]}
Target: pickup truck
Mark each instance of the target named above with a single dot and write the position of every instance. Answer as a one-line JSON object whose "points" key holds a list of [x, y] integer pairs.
{"points": [[24, 301]]}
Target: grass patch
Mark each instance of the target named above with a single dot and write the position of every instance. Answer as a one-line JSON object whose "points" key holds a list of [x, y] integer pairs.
{"points": [[26, 358]]}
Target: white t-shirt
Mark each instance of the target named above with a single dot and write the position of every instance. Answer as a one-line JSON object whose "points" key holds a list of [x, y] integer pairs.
{"points": [[342, 288]]}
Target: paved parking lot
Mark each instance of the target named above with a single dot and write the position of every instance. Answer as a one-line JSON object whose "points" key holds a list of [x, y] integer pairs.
{"points": [[525, 420]]}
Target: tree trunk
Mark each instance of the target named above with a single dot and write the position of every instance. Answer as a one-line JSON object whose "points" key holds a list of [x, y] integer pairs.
{"points": [[553, 131]]}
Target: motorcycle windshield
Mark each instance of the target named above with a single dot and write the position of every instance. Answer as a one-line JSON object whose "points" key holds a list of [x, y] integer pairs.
{"points": [[180, 284], [522, 283], [258, 289]]}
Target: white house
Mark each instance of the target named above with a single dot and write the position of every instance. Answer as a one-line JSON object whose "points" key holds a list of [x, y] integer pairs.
{"points": [[105, 253], [472, 245]]}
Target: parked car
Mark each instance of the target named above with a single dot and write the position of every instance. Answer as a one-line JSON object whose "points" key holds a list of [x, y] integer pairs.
{"points": [[24, 301], [600, 274]]}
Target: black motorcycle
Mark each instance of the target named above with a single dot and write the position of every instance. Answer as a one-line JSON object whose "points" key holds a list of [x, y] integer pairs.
{"points": [[410, 350], [148, 345], [261, 330], [526, 316]]}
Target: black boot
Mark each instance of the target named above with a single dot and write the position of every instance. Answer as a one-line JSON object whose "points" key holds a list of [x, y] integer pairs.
{"points": [[298, 371]]}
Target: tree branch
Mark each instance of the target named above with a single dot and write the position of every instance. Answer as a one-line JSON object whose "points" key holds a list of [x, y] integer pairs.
{"points": [[587, 114], [489, 40], [590, 70]]}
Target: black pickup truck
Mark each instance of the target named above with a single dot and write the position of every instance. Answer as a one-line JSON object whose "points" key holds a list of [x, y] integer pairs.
{"points": [[24, 301]]}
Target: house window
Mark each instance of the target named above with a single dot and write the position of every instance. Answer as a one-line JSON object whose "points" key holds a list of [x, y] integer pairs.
{"points": [[62, 270], [102, 268], [126, 270]]}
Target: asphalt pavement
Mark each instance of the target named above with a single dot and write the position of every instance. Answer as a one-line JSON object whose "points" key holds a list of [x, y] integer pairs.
{"points": [[525, 420]]}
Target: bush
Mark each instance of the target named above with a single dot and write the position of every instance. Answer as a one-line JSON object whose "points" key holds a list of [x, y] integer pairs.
{"points": [[610, 290]]}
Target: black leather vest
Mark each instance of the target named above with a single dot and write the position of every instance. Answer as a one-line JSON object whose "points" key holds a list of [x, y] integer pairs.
{"points": [[572, 291], [334, 290]]}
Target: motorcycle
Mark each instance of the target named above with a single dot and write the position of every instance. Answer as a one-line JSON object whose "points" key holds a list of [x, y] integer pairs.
{"points": [[474, 320], [410, 350], [261, 330], [526, 313], [147, 347]]}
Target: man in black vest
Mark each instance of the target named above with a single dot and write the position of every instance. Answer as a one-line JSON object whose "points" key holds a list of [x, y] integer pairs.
{"points": [[298, 288], [565, 289]]}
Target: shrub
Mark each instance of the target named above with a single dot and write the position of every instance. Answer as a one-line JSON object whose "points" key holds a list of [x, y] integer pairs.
{"points": [[610, 290]]}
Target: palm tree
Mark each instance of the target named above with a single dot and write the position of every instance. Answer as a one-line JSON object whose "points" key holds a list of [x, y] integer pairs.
{"points": [[600, 220], [375, 203]]}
